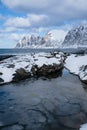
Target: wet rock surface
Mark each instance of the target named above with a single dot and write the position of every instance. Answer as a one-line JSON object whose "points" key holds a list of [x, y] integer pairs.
{"points": [[50, 104], [83, 73], [20, 74], [1, 80], [2, 57], [47, 70]]}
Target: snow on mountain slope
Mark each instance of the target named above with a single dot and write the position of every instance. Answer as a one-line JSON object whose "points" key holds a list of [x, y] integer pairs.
{"points": [[58, 35], [76, 37], [53, 39]]}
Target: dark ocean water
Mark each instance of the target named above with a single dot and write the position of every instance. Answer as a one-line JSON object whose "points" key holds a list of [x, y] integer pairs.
{"points": [[23, 51], [28, 50]]}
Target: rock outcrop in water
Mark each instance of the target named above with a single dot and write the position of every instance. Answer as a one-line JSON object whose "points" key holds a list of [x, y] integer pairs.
{"points": [[47, 70], [2, 57], [21, 67]]}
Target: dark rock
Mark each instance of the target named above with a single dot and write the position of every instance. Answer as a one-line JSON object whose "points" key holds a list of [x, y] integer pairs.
{"points": [[20, 75], [2, 57], [1, 80], [47, 70], [1, 73], [84, 81], [83, 68], [11, 66], [34, 69]]}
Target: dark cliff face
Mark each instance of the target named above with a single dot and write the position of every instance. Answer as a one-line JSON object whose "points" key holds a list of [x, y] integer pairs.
{"points": [[76, 36]]}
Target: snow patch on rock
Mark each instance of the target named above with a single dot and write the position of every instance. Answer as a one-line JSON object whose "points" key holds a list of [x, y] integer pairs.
{"points": [[76, 64], [83, 127]]}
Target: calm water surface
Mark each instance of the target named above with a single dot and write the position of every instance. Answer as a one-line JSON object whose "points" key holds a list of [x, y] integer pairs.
{"points": [[43, 104]]}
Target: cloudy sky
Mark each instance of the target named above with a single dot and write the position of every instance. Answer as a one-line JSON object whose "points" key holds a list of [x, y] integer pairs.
{"points": [[21, 17]]}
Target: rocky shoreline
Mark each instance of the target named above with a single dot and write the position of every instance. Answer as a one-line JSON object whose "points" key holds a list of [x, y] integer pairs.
{"points": [[3, 57], [14, 68], [77, 64], [50, 65], [50, 104], [21, 67]]}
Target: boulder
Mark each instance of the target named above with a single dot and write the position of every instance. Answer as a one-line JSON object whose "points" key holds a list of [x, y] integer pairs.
{"points": [[20, 74], [84, 81], [34, 69], [47, 70], [1, 73], [11, 66], [1, 80], [83, 73]]}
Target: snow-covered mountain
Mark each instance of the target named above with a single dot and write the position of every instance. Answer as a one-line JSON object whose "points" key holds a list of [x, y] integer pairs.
{"points": [[53, 39], [76, 37]]}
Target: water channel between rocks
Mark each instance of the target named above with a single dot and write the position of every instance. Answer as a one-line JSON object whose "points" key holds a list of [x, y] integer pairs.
{"points": [[44, 104]]}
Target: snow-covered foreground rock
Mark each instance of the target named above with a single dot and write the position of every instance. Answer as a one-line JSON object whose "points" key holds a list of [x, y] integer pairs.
{"points": [[83, 127], [24, 66], [77, 64]]}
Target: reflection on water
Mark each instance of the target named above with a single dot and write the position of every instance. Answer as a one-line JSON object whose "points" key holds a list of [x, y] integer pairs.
{"points": [[37, 104], [65, 72]]}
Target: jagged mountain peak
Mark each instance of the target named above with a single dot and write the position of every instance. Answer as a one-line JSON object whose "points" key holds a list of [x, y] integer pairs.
{"points": [[53, 38], [76, 37]]}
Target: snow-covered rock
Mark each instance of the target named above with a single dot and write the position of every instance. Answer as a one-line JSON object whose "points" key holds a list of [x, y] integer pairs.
{"points": [[77, 37], [77, 64], [83, 127], [53, 39], [20, 67]]}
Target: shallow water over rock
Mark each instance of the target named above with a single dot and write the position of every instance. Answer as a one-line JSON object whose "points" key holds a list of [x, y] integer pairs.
{"points": [[44, 104]]}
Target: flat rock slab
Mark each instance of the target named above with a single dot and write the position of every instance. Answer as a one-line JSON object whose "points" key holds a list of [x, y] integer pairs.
{"points": [[2, 57]]}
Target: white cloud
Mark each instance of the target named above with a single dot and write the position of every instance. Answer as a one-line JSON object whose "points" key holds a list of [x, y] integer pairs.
{"points": [[17, 22], [12, 37], [25, 4], [26, 22], [56, 10], [37, 19], [16, 37], [8, 30]]}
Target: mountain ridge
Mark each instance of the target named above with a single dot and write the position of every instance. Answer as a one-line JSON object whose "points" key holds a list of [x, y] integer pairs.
{"points": [[52, 39], [76, 37]]}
